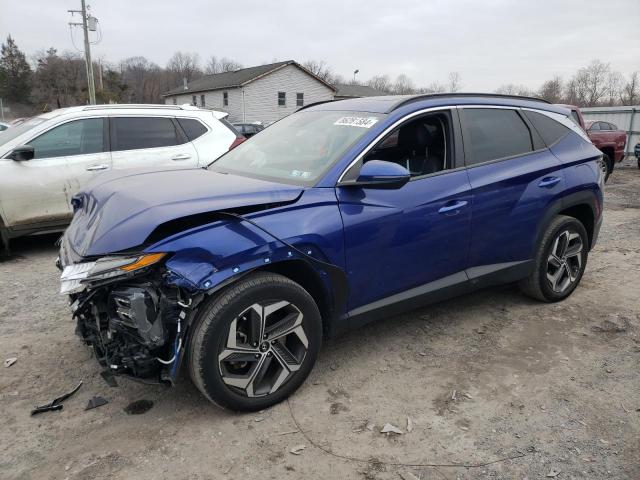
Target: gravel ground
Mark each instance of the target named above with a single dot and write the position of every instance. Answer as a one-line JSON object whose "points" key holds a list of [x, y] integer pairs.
{"points": [[506, 386]]}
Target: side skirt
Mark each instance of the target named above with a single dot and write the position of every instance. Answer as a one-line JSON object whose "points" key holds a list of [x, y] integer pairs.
{"points": [[444, 288]]}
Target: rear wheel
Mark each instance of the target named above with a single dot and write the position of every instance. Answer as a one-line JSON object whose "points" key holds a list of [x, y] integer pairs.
{"points": [[256, 343], [560, 261]]}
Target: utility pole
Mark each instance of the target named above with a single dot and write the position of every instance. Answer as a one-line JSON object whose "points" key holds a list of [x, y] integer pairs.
{"points": [[87, 51]]}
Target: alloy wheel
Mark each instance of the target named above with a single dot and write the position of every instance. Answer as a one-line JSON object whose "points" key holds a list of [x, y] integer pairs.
{"points": [[265, 346], [564, 263]]}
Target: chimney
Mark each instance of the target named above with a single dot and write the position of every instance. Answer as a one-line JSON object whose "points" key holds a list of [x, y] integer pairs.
{"points": [[184, 83]]}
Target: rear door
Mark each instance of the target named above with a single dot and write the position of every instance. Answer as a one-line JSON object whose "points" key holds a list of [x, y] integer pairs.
{"points": [[514, 177], [39, 191], [150, 141]]}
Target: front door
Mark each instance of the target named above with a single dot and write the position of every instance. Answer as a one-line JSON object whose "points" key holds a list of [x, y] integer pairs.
{"points": [[39, 191], [406, 243]]}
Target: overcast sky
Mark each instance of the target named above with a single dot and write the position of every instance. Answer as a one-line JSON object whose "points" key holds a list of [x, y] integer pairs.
{"points": [[490, 42]]}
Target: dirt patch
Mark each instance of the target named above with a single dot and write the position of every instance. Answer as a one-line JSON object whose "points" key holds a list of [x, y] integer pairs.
{"points": [[539, 388]]}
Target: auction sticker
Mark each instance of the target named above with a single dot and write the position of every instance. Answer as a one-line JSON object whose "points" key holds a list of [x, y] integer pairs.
{"points": [[363, 122]]}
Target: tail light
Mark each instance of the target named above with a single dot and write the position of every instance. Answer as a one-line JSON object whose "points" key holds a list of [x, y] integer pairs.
{"points": [[239, 139]]}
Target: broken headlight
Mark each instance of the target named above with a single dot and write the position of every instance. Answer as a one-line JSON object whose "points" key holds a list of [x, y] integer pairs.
{"points": [[76, 277]]}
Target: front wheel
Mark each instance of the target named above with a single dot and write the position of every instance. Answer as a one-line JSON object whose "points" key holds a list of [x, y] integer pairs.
{"points": [[256, 343], [559, 262]]}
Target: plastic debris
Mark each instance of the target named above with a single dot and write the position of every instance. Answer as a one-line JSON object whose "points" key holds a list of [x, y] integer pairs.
{"points": [[409, 424], [56, 404], [96, 402], [388, 428], [407, 476], [297, 450], [108, 377], [10, 361]]}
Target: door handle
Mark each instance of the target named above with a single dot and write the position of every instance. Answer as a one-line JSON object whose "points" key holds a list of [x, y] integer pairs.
{"points": [[548, 182], [99, 166], [181, 156], [453, 207]]}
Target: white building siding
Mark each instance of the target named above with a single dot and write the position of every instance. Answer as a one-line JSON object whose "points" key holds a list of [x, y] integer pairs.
{"points": [[261, 96], [213, 100]]}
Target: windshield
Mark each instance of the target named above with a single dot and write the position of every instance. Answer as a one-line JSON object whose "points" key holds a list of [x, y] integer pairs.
{"points": [[13, 132], [299, 148]]}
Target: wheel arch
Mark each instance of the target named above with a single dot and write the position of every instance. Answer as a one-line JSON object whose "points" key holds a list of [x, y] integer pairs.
{"points": [[579, 205]]}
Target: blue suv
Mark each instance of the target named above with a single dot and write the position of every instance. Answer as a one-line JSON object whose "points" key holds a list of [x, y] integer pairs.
{"points": [[340, 214]]}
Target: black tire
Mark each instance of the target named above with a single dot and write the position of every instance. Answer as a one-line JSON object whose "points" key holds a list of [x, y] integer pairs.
{"points": [[537, 284], [211, 335], [609, 164]]}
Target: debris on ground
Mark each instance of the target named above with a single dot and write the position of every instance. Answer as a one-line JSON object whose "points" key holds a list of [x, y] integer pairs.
{"points": [[56, 403], [10, 361], [96, 402], [614, 325], [388, 428], [407, 476], [109, 378], [554, 473], [297, 450], [409, 424], [138, 407]]}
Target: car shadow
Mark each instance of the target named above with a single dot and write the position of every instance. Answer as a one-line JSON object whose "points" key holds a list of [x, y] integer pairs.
{"points": [[27, 246]]}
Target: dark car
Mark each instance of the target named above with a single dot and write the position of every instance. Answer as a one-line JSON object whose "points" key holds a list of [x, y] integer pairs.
{"points": [[248, 129], [337, 215]]}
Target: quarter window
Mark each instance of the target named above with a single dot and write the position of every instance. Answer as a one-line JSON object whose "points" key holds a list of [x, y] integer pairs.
{"points": [[132, 133], [550, 130], [192, 128], [495, 133], [300, 99], [282, 99], [79, 137], [225, 99]]}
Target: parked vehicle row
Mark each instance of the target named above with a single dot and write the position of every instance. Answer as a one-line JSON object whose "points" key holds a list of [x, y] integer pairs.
{"points": [[46, 159], [337, 215], [606, 136]]}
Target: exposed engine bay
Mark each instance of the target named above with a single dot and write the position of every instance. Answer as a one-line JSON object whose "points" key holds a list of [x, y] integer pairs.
{"points": [[136, 327]]}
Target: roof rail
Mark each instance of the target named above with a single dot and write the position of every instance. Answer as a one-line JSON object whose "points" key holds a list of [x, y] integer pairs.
{"points": [[124, 106], [316, 103], [485, 95]]}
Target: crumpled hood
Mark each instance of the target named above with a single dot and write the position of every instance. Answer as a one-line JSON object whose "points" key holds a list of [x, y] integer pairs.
{"points": [[119, 209]]}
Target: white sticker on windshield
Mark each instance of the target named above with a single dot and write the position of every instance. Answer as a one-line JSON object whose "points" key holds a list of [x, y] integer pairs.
{"points": [[363, 122]]}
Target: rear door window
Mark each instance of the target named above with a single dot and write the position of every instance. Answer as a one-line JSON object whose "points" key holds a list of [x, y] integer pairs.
{"points": [[192, 128], [550, 130], [495, 133], [78, 137], [134, 133], [604, 126]]}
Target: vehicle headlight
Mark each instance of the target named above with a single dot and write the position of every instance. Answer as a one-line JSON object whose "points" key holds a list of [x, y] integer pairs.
{"points": [[75, 277]]}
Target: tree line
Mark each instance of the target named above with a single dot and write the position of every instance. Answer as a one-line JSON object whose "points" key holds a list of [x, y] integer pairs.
{"points": [[50, 79]]}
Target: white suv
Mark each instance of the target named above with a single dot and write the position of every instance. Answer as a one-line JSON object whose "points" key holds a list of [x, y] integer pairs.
{"points": [[46, 159]]}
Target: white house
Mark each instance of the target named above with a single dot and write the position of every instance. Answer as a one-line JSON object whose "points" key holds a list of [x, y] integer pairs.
{"points": [[264, 94]]}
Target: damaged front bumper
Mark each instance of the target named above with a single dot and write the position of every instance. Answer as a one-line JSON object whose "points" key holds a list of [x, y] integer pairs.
{"points": [[134, 320]]}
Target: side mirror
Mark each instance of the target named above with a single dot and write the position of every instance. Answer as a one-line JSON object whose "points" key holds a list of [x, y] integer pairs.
{"points": [[380, 174], [22, 153]]}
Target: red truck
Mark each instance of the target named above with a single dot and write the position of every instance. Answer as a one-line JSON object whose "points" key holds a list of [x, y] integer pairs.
{"points": [[607, 137]]}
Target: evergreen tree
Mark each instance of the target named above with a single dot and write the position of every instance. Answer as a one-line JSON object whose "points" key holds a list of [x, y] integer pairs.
{"points": [[15, 73]]}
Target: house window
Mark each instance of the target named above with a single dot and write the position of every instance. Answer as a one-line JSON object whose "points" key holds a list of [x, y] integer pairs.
{"points": [[282, 99], [225, 99], [299, 99], [175, 101], [202, 101], [194, 101]]}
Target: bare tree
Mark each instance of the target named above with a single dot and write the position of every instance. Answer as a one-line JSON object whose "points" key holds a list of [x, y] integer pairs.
{"points": [[213, 66], [320, 69], [591, 83], [551, 90], [615, 81], [630, 92], [382, 83], [454, 84], [513, 89], [184, 65], [403, 85], [229, 65]]}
